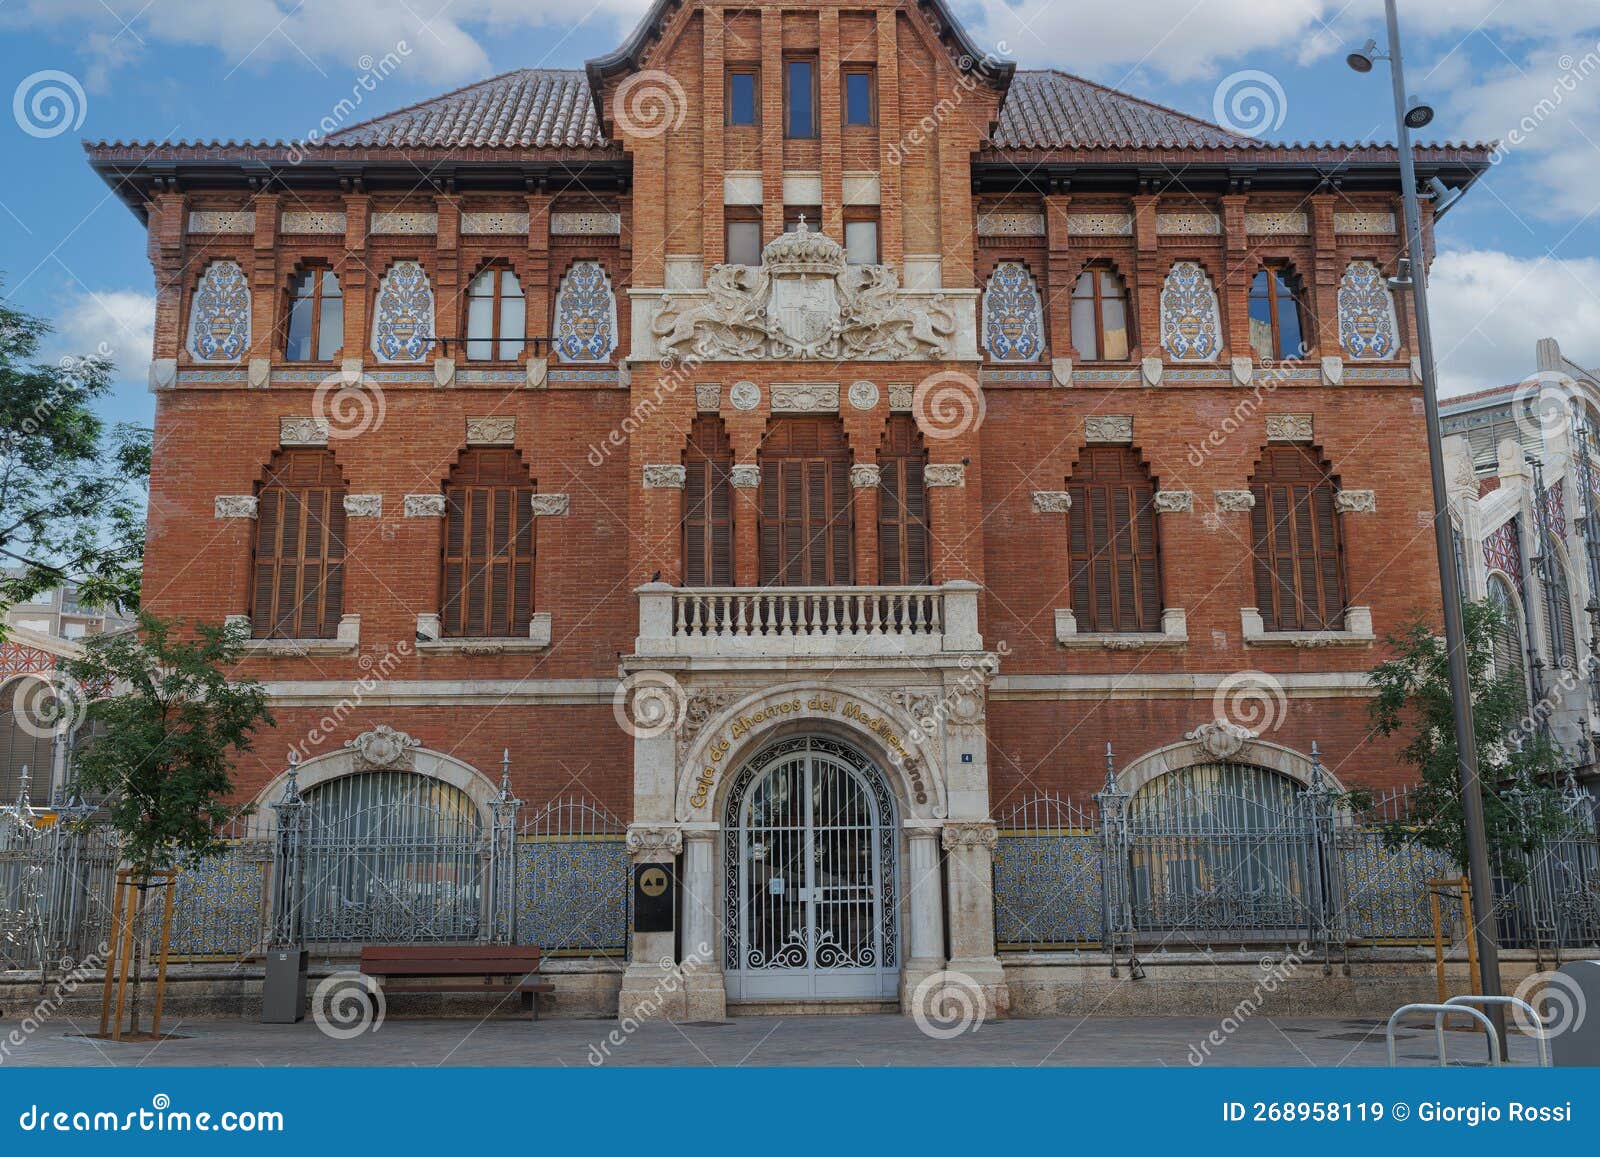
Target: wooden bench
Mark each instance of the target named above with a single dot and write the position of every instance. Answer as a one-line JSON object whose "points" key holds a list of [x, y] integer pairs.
{"points": [[454, 967]]}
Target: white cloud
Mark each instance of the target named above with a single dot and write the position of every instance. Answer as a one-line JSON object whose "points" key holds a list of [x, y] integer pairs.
{"points": [[119, 324], [1490, 308]]}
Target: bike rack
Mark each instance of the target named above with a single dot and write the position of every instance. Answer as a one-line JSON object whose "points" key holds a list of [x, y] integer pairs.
{"points": [[1440, 1011], [1517, 1002]]}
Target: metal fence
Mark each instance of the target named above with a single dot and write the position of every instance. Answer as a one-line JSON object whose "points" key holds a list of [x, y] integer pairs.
{"points": [[1229, 855]]}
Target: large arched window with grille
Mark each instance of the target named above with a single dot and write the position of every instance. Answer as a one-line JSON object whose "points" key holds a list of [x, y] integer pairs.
{"points": [[1220, 847], [298, 573], [390, 857], [1299, 558], [805, 529], [1560, 632], [487, 588], [1114, 564], [1509, 657], [708, 505], [904, 554]]}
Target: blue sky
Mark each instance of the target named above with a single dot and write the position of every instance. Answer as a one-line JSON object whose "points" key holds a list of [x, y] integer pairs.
{"points": [[1520, 257]]}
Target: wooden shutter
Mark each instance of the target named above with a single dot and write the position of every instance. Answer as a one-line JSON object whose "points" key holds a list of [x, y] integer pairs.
{"points": [[1298, 556], [806, 516], [708, 505], [1114, 569], [297, 575], [488, 558], [903, 535]]}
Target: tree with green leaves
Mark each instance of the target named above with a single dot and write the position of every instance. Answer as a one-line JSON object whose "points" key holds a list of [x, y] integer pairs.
{"points": [[1520, 768], [165, 741], [71, 489]]}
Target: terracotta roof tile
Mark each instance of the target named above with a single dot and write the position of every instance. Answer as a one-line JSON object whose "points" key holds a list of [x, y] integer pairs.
{"points": [[528, 108], [1053, 110]]}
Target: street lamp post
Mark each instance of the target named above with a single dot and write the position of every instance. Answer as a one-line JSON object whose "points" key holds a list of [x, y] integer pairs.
{"points": [[1407, 114]]}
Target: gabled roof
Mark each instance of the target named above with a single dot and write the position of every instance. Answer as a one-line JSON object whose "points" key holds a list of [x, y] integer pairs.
{"points": [[527, 108], [1048, 109]]}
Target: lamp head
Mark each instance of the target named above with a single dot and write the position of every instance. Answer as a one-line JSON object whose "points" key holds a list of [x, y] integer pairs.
{"points": [[1419, 113], [1362, 59]]}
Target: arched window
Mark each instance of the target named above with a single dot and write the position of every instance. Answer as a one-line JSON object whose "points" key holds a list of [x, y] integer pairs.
{"points": [[806, 527], [1508, 652], [1191, 320], [1013, 315], [1299, 564], [1275, 318], [497, 318], [314, 326], [1100, 315], [903, 537], [219, 314], [298, 576], [1559, 630], [487, 587], [390, 857], [1219, 847], [708, 505], [1113, 560]]}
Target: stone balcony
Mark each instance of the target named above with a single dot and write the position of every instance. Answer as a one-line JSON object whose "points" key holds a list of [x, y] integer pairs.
{"points": [[828, 623]]}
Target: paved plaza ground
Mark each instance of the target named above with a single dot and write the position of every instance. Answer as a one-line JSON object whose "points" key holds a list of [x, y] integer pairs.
{"points": [[756, 1041]]}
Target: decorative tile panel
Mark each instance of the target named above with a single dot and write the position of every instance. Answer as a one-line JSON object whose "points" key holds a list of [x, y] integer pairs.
{"points": [[225, 221], [586, 315], [1367, 327], [1363, 221], [1009, 223], [1013, 315], [1191, 322], [404, 221], [1100, 224], [219, 315], [1196, 224], [1271, 223], [402, 325], [299, 221], [585, 224], [1502, 550], [513, 224]]}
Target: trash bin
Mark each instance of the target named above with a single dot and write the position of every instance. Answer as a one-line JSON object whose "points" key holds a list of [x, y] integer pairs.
{"points": [[283, 989], [1575, 1038]]}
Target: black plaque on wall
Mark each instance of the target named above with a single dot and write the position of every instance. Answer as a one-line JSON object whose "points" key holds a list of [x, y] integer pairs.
{"points": [[655, 896]]}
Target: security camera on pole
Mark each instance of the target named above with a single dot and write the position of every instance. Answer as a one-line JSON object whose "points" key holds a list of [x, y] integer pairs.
{"points": [[1412, 113]]}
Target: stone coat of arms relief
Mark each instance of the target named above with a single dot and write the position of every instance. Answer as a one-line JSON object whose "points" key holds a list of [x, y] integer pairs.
{"points": [[803, 302]]}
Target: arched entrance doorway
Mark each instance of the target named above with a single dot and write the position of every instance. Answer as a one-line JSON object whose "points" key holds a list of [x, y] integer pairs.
{"points": [[811, 876]]}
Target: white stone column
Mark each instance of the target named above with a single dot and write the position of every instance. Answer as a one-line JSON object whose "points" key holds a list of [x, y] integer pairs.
{"points": [[705, 992], [652, 985], [969, 849], [926, 892]]}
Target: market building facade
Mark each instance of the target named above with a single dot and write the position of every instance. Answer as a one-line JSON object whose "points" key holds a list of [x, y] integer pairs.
{"points": [[883, 486]]}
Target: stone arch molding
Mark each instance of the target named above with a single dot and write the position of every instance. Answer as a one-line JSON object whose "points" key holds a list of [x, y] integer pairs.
{"points": [[917, 779], [381, 749], [1215, 742]]}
